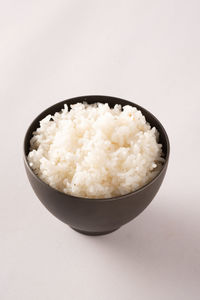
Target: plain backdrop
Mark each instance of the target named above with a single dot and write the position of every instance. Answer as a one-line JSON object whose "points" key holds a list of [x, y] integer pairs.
{"points": [[144, 51]]}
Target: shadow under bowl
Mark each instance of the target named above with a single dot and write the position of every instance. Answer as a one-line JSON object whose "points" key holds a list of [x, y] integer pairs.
{"points": [[96, 216]]}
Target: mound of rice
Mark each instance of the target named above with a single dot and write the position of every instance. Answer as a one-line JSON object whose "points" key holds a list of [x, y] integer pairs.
{"points": [[95, 151]]}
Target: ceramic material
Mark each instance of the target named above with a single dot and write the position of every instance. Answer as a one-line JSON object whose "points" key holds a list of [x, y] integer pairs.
{"points": [[96, 216]]}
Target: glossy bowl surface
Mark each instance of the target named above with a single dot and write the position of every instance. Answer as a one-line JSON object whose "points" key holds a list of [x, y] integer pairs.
{"points": [[96, 216]]}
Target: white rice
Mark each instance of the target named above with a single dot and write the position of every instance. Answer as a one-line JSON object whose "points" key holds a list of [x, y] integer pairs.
{"points": [[95, 151]]}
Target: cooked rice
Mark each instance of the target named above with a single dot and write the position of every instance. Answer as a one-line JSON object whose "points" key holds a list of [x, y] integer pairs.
{"points": [[95, 151]]}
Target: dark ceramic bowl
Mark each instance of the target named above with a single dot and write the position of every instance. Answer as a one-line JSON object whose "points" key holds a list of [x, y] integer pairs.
{"points": [[96, 216]]}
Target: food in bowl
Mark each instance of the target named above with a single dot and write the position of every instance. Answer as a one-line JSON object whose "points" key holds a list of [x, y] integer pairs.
{"points": [[95, 151]]}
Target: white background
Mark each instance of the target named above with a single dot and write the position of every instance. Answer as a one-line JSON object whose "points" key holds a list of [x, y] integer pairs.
{"points": [[143, 51]]}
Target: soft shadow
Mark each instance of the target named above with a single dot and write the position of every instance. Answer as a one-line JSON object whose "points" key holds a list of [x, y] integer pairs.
{"points": [[162, 240]]}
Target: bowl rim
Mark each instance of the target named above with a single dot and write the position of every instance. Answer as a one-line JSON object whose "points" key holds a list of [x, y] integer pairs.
{"points": [[144, 111]]}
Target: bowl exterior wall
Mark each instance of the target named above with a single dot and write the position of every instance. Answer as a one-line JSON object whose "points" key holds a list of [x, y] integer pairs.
{"points": [[94, 215]]}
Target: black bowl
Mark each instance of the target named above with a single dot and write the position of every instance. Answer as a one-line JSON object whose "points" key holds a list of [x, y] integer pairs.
{"points": [[96, 216]]}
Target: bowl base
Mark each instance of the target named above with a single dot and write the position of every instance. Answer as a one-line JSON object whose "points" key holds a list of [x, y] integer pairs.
{"points": [[94, 233]]}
